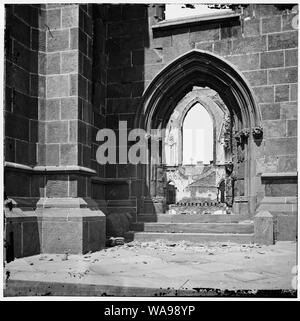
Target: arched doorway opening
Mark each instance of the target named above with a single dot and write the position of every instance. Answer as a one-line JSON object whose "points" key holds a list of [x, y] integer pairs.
{"points": [[171, 193], [242, 128], [197, 136]]}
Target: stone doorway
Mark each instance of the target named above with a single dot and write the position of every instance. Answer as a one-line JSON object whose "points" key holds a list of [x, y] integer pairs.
{"points": [[241, 130]]}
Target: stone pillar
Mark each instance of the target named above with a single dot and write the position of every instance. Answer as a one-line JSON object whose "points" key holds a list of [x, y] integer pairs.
{"points": [[64, 150], [58, 124], [263, 228]]}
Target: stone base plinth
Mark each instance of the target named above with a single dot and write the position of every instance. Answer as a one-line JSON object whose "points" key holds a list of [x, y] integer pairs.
{"points": [[72, 230], [75, 226]]}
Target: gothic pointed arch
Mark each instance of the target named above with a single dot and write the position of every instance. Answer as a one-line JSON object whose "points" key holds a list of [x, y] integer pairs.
{"points": [[198, 68], [175, 81]]}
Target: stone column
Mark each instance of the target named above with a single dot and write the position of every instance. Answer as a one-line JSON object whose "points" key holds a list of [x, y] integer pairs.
{"points": [[65, 132]]}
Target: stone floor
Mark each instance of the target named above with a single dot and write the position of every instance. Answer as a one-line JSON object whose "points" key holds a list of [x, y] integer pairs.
{"points": [[167, 265]]}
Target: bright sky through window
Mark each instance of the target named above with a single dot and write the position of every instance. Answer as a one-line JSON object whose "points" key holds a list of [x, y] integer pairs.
{"points": [[177, 11], [197, 136]]}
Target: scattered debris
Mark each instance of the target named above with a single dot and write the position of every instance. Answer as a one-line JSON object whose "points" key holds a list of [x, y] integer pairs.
{"points": [[45, 258], [183, 284], [113, 241], [66, 255]]}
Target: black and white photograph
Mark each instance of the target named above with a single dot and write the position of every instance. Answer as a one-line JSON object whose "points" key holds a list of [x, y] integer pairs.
{"points": [[149, 152]]}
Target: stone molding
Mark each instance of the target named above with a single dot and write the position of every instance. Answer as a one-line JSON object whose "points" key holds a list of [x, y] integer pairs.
{"points": [[50, 169], [198, 20]]}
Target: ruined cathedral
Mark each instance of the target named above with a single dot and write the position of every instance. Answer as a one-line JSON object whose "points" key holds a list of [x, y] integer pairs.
{"points": [[74, 69]]}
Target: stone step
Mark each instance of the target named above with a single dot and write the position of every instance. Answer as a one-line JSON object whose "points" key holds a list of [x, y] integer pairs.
{"points": [[236, 228], [205, 218], [190, 237]]}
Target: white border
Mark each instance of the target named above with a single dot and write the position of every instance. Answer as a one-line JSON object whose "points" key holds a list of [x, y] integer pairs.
{"points": [[110, 299]]}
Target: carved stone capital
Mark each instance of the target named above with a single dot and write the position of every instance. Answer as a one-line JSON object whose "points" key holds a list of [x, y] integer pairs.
{"points": [[257, 132], [244, 133]]}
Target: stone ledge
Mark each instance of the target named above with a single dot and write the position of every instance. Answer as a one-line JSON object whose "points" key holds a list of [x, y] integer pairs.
{"points": [[99, 180], [279, 175], [195, 20], [50, 169], [67, 202], [279, 200]]}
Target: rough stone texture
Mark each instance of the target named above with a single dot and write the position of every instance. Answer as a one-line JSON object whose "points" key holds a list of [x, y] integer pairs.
{"points": [[89, 68], [72, 230], [263, 228], [23, 234], [155, 269]]}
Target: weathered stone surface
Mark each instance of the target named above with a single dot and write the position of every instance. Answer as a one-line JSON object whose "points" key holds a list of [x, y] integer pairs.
{"points": [[57, 186], [69, 62], [257, 77], [283, 75], [117, 224], [80, 81], [57, 132], [249, 44], [69, 108], [281, 146], [52, 154], [57, 86], [288, 110], [293, 92], [223, 47], [284, 40], [245, 62], [286, 227], [264, 94], [31, 238], [69, 154], [272, 59], [292, 127], [202, 34], [263, 228], [52, 109], [289, 21], [70, 17], [282, 93], [17, 184], [252, 27], [271, 24], [287, 164], [284, 187], [72, 235], [58, 40], [22, 152], [291, 57], [53, 19]]}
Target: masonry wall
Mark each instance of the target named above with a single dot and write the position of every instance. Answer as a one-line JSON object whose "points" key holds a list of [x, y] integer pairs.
{"points": [[49, 120], [21, 93], [74, 69], [262, 46]]}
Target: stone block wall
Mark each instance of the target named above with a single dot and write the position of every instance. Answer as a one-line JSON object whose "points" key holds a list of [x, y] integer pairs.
{"points": [[262, 46], [21, 91], [73, 69], [49, 59]]}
